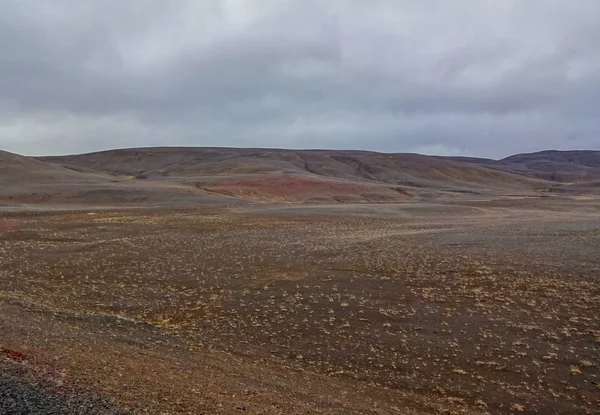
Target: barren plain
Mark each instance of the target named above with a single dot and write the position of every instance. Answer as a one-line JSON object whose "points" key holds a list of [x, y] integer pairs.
{"points": [[472, 307]]}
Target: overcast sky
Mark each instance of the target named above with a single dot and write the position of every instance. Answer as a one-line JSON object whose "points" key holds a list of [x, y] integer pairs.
{"points": [[469, 77]]}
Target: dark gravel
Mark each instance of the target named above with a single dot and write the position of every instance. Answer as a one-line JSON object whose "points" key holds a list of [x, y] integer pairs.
{"points": [[21, 397]]}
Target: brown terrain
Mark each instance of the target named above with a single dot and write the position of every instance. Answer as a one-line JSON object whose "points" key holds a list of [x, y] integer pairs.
{"points": [[213, 280]]}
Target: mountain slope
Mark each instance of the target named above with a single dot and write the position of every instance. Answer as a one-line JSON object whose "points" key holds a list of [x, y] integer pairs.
{"points": [[16, 170], [172, 175], [300, 175], [562, 166], [26, 180]]}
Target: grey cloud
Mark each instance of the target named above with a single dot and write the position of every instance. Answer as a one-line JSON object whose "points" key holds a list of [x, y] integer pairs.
{"points": [[480, 78]]}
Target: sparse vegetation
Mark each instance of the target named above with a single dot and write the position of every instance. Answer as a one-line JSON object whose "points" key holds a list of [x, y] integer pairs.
{"points": [[391, 306]]}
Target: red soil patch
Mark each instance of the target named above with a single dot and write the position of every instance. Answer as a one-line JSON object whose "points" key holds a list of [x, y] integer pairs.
{"points": [[295, 188], [13, 354], [8, 224]]}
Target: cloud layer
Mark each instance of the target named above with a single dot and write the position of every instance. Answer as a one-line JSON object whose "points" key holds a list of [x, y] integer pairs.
{"points": [[481, 78]]}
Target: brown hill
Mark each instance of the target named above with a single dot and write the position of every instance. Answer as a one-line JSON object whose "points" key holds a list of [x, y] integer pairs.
{"points": [[25, 180], [585, 158], [16, 170], [556, 166], [188, 176], [307, 175], [561, 166]]}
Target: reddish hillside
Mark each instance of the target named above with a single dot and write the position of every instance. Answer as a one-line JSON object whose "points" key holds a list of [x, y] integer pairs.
{"points": [[167, 176], [307, 175], [303, 188]]}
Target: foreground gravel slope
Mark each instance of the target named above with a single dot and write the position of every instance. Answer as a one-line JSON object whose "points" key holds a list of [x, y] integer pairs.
{"points": [[18, 396]]}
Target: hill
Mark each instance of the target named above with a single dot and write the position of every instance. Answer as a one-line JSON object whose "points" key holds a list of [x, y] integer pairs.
{"points": [[561, 166], [188, 176], [26, 180], [308, 175], [16, 170], [575, 172]]}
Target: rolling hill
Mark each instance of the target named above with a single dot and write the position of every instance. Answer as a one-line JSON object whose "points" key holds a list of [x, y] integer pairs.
{"points": [[188, 176], [16, 170], [308, 175], [576, 171], [26, 180]]}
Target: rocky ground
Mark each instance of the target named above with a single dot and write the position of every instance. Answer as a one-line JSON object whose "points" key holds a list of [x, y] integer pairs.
{"points": [[472, 307], [26, 397]]}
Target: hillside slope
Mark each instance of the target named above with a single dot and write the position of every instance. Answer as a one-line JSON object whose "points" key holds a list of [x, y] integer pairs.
{"points": [[16, 170], [308, 175], [574, 172], [562, 166], [552, 165], [28, 181], [189, 176]]}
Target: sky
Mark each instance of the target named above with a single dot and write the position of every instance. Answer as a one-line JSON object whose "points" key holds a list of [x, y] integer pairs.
{"points": [[484, 78]]}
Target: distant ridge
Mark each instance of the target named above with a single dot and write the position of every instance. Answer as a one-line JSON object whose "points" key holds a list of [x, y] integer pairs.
{"points": [[191, 175], [310, 175], [559, 166]]}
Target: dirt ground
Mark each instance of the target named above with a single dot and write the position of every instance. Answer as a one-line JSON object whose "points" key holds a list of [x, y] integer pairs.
{"points": [[473, 307]]}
